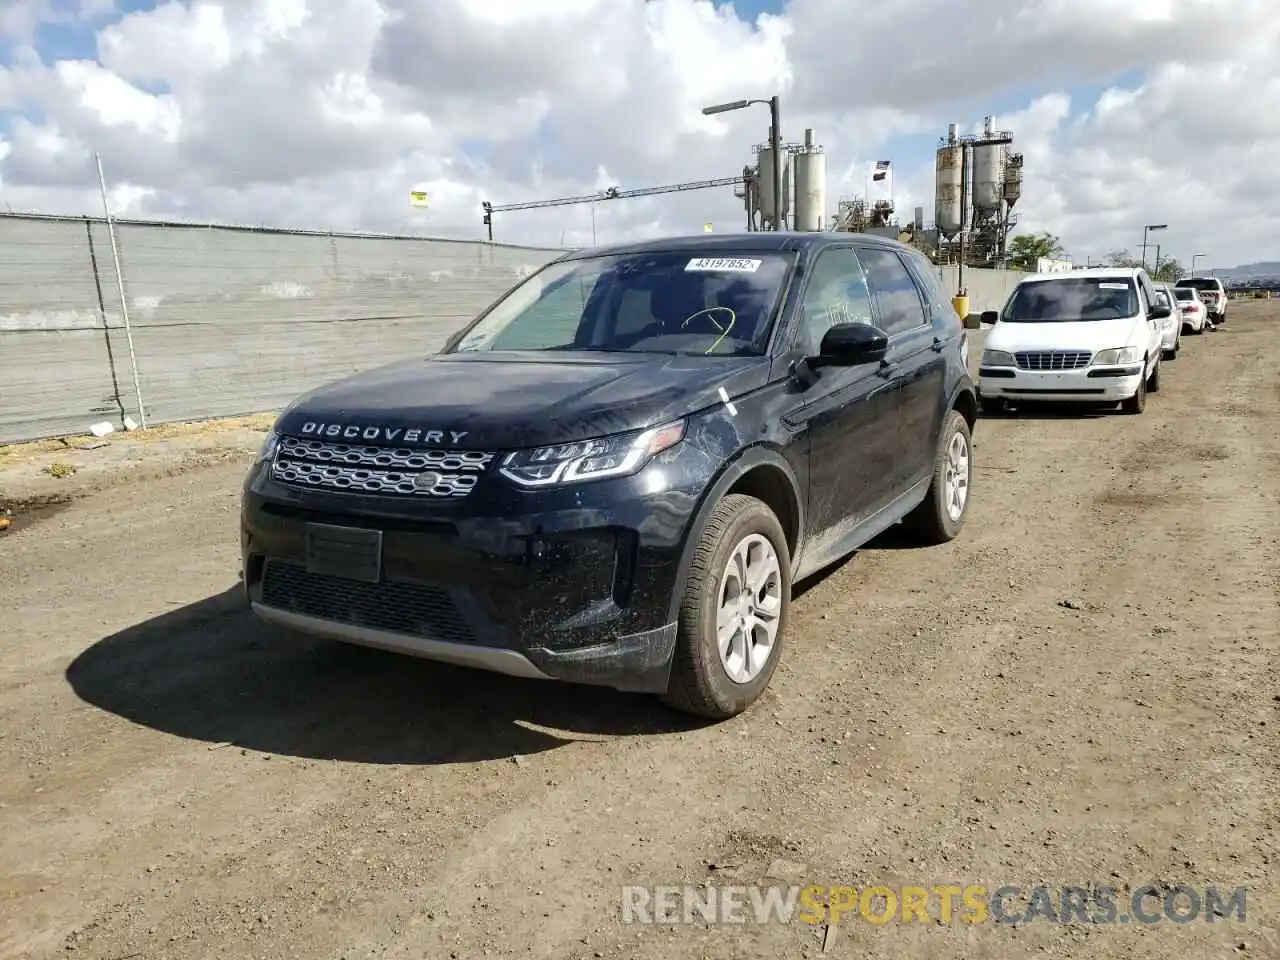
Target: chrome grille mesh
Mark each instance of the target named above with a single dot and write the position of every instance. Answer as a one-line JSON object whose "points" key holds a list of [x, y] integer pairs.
{"points": [[360, 468], [1052, 359]]}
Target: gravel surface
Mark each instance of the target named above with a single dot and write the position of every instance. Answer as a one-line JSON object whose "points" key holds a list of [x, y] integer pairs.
{"points": [[1083, 689]]}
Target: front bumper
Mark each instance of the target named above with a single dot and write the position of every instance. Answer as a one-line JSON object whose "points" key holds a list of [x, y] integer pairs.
{"points": [[1089, 385], [573, 584]]}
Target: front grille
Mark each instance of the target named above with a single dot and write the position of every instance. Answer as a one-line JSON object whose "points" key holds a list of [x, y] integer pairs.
{"points": [[396, 471], [1052, 359], [416, 609]]}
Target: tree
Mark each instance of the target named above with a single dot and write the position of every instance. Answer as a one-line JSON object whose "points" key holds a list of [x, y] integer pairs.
{"points": [[1026, 248], [1166, 271], [1123, 258]]}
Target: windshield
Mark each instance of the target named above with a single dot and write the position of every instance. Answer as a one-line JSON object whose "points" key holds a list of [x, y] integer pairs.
{"points": [[1185, 294], [639, 303], [1199, 283], [1072, 300]]}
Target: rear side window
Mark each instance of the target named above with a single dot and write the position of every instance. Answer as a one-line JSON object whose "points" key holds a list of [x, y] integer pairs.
{"points": [[896, 296], [1185, 294]]}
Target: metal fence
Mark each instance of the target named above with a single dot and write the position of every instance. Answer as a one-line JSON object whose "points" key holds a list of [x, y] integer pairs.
{"points": [[224, 320]]}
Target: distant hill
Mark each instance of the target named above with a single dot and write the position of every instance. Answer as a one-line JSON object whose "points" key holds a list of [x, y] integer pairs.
{"points": [[1249, 271]]}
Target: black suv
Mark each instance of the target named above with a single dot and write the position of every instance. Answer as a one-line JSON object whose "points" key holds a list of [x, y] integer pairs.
{"points": [[616, 472]]}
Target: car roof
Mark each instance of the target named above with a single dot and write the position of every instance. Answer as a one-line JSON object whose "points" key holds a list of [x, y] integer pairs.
{"points": [[1089, 273], [728, 244]]}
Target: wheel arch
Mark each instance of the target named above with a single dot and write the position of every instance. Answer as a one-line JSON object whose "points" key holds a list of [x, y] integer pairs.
{"points": [[758, 471]]}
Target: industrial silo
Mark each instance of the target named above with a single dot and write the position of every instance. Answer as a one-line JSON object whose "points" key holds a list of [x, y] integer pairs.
{"points": [[1013, 179], [988, 179], [810, 186], [950, 174], [766, 181]]}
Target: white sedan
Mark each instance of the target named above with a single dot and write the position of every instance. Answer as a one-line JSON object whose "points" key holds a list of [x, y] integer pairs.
{"points": [[1194, 316]]}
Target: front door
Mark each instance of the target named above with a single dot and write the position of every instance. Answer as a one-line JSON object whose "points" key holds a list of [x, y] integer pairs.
{"points": [[849, 412]]}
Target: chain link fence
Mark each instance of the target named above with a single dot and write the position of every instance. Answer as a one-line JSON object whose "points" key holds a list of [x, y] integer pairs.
{"points": [[224, 320]]}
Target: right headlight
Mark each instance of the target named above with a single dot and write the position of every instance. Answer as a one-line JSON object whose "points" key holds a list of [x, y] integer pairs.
{"points": [[1117, 357], [998, 358], [617, 456]]}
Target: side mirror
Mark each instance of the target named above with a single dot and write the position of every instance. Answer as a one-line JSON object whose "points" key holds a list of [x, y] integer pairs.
{"points": [[1159, 311], [990, 316], [850, 345]]}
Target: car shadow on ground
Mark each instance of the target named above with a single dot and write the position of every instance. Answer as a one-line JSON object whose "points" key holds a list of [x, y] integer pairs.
{"points": [[1055, 411], [211, 671]]}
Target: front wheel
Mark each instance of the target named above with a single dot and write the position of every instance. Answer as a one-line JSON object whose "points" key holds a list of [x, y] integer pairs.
{"points": [[733, 618], [1138, 402], [942, 512]]}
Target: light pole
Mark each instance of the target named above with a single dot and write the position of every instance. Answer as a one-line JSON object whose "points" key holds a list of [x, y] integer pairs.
{"points": [[1194, 258], [775, 144], [1150, 228]]}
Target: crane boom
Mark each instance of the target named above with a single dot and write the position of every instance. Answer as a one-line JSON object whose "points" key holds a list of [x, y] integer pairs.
{"points": [[613, 193]]}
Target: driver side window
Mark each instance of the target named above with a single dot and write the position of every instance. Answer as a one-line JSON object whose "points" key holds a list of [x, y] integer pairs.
{"points": [[836, 293]]}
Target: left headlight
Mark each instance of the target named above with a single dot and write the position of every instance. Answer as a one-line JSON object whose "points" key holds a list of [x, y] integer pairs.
{"points": [[998, 358], [616, 456], [268, 449]]}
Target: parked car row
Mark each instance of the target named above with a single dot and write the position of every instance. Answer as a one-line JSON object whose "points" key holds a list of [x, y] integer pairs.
{"points": [[1091, 336]]}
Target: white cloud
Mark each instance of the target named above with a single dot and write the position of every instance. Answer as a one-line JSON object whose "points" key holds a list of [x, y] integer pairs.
{"points": [[326, 114]]}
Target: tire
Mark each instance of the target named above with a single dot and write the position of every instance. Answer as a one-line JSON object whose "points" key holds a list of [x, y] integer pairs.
{"points": [[700, 683], [933, 522], [1138, 402], [1153, 381]]}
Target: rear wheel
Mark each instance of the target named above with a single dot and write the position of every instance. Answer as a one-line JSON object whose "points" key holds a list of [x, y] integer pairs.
{"points": [[733, 618], [942, 512]]}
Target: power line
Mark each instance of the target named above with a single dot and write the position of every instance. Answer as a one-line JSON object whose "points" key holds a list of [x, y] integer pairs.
{"points": [[613, 193]]}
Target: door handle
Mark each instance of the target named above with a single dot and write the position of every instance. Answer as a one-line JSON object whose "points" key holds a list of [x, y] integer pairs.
{"points": [[938, 344]]}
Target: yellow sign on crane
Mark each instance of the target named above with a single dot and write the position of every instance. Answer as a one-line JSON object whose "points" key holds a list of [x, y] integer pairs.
{"points": [[706, 228], [418, 198]]}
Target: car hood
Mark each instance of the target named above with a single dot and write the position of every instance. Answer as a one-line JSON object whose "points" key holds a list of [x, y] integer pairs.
{"points": [[504, 401], [1066, 335]]}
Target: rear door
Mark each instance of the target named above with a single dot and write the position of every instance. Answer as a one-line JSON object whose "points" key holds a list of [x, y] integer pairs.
{"points": [[918, 363]]}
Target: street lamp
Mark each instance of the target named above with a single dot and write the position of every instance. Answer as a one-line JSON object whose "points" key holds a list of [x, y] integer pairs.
{"points": [[1194, 258], [775, 144], [1150, 228]]}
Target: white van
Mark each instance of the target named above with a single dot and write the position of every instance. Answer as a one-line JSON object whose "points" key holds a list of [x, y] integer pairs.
{"points": [[1089, 336]]}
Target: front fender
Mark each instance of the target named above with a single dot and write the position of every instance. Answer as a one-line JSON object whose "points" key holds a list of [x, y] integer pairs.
{"points": [[733, 470]]}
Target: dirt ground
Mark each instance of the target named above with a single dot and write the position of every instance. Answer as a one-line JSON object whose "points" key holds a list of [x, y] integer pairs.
{"points": [[1083, 689]]}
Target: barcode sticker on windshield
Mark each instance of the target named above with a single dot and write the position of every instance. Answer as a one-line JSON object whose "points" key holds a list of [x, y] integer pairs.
{"points": [[1113, 286], [723, 265]]}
